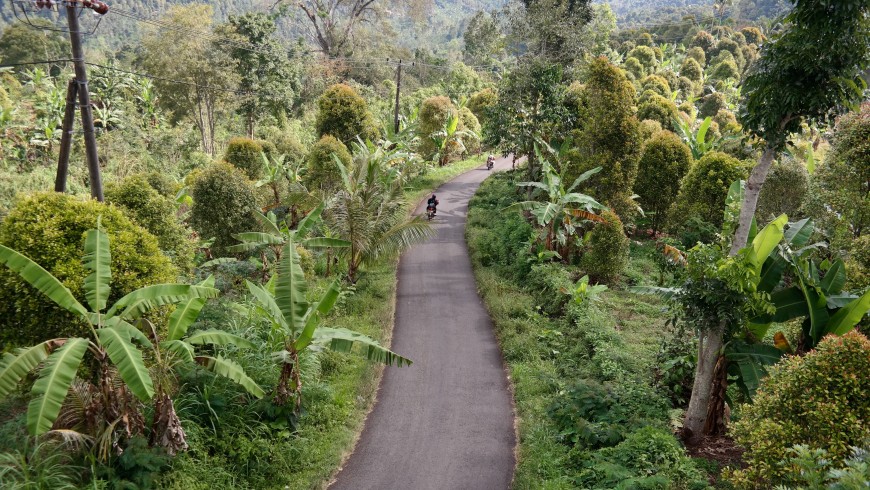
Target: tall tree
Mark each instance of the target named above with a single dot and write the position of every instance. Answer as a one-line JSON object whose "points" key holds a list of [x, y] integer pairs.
{"points": [[332, 22], [551, 28], [197, 77], [782, 92], [267, 75], [23, 44], [483, 39]]}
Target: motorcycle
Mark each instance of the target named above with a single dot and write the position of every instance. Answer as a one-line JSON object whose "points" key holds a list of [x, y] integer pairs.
{"points": [[490, 163], [430, 212]]}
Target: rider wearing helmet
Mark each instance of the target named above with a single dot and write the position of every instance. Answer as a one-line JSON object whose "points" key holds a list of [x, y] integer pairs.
{"points": [[432, 203]]}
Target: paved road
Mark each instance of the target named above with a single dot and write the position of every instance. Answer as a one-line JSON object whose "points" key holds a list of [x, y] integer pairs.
{"points": [[447, 421]]}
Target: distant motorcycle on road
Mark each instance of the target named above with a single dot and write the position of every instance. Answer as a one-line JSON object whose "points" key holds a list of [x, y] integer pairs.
{"points": [[490, 162]]}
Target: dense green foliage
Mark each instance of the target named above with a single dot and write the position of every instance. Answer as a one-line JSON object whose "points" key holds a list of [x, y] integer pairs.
{"points": [[705, 187], [817, 400], [322, 171], [663, 164], [343, 114], [246, 155], [155, 212], [223, 204], [49, 228], [784, 192], [608, 250]]}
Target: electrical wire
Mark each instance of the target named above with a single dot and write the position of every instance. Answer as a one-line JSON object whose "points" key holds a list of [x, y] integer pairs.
{"points": [[47, 62]]}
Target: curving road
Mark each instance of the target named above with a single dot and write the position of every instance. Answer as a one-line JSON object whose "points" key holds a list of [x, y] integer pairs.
{"points": [[447, 421]]}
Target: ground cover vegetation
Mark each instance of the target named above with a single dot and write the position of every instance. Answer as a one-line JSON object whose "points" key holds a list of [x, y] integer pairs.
{"points": [[675, 269]]}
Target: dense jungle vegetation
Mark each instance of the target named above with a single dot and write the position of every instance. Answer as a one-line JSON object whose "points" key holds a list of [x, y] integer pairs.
{"points": [[678, 268]]}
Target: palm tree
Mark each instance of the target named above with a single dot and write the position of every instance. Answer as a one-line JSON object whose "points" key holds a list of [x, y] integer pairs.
{"points": [[368, 211], [559, 212], [110, 342], [296, 325]]}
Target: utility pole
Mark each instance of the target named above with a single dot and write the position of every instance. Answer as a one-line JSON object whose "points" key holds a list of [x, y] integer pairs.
{"points": [[78, 87], [398, 87]]}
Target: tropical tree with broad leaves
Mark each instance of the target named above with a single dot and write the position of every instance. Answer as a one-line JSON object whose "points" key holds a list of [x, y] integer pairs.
{"points": [[297, 324], [114, 340]]}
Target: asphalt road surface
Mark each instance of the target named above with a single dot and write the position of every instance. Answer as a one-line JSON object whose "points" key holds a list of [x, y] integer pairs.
{"points": [[445, 422]]}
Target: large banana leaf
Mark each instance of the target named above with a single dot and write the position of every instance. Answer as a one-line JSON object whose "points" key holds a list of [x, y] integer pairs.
{"points": [[267, 301], [129, 361], [766, 241], [291, 288], [798, 233], [97, 259], [308, 221], [324, 306], [252, 240], [344, 340], [41, 279], [268, 221], [848, 316], [150, 297], [835, 278], [186, 313], [180, 348], [14, 367], [817, 307], [49, 391], [583, 177], [219, 337], [129, 331], [751, 360], [231, 370]]}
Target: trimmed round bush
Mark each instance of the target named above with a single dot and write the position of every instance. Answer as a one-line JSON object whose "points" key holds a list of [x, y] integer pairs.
{"points": [[607, 255], [656, 84], [322, 172], [246, 155], [648, 128], [658, 108], [703, 40], [470, 123], [664, 163], [634, 68], [726, 70], [729, 45], [753, 35], [697, 53], [784, 191], [481, 102], [433, 114], [49, 228], [645, 55], [344, 114], [705, 187], [223, 204], [157, 214], [711, 104], [821, 400], [691, 69], [286, 143]]}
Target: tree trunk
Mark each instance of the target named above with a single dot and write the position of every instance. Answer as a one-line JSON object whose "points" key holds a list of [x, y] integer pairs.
{"points": [[166, 430], [715, 423], [709, 347], [750, 199]]}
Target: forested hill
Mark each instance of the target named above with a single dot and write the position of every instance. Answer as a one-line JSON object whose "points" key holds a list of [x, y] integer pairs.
{"points": [[635, 12]]}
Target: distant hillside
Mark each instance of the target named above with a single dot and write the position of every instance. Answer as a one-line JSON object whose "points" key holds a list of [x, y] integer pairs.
{"points": [[640, 12]]}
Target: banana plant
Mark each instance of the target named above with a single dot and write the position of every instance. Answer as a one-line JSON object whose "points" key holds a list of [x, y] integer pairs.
{"points": [[278, 234], [697, 141], [180, 348], [559, 212], [450, 139], [816, 294], [113, 338], [296, 325]]}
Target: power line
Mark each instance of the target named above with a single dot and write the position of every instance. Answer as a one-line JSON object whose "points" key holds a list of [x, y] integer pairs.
{"points": [[47, 62]]}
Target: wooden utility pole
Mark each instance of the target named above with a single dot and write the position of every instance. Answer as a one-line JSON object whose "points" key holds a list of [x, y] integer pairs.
{"points": [[69, 115], [398, 88]]}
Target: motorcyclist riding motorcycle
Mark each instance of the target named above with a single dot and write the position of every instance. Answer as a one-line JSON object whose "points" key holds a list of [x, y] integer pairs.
{"points": [[490, 162], [432, 204]]}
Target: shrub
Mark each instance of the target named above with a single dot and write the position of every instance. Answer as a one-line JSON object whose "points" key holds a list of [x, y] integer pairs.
{"points": [[223, 204], [658, 108], [858, 264], [433, 115], [657, 84], [344, 115], [470, 123], [729, 45], [481, 102], [664, 163], [645, 55], [703, 40], [753, 35], [725, 70], [245, 154], [648, 128], [784, 191], [322, 172], [634, 67], [608, 250], [821, 399], [286, 143], [705, 187], [163, 184], [49, 228], [691, 69], [157, 214], [711, 104], [697, 53]]}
